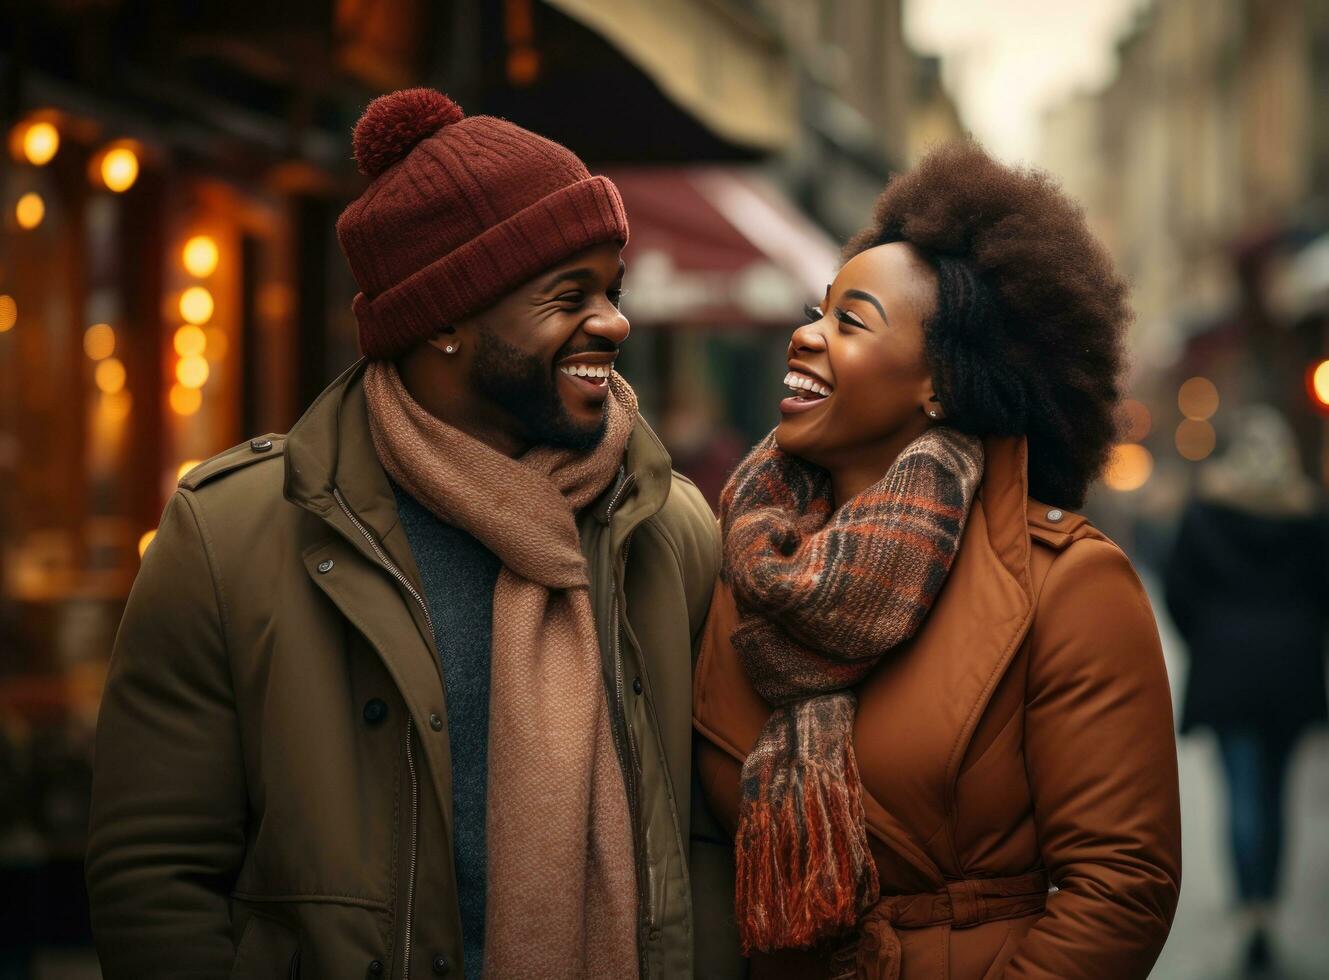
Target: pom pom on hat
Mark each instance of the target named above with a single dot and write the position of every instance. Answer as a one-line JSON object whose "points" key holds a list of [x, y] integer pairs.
{"points": [[394, 123]]}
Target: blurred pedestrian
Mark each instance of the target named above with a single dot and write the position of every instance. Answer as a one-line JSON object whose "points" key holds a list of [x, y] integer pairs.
{"points": [[934, 706], [1248, 588]]}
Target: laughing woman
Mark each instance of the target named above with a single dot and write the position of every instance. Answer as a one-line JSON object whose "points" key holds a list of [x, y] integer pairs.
{"points": [[932, 702]]}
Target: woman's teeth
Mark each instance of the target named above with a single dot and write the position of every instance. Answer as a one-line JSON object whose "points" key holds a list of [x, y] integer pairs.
{"points": [[803, 385], [587, 370]]}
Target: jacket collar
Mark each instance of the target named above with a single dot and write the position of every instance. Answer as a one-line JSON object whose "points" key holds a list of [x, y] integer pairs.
{"points": [[331, 447], [1004, 498]]}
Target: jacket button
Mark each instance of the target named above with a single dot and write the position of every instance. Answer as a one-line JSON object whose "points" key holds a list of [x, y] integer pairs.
{"points": [[260, 445], [1055, 515], [441, 965], [435, 722], [375, 711], [375, 968], [636, 685], [326, 565]]}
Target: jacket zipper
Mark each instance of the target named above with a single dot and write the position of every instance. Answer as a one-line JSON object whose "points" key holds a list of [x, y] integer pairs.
{"points": [[396, 573], [629, 752]]}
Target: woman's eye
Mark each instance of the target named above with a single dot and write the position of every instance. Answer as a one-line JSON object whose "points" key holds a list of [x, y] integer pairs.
{"points": [[572, 296], [851, 320], [616, 296], [813, 313]]}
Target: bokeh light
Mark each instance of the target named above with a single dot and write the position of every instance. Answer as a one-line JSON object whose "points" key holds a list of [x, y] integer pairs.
{"points": [[190, 341], [185, 401], [1195, 439], [185, 467], [8, 313], [1198, 399], [146, 540], [1129, 468], [99, 341], [196, 305], [1319, 382], [200, 256], [30, 210], [115, 407], [192, 371], [119, 169], [110, 375], [41, 140]]}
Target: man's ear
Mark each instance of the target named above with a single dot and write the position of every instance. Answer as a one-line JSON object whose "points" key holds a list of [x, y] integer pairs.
{"points": [[445, 340]]}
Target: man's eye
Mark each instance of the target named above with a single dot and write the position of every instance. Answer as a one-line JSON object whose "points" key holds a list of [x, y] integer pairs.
{"points": [[813, 313]]}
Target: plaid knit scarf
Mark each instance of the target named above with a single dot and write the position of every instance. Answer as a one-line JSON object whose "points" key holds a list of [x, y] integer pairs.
{"points": [[822, 596]]}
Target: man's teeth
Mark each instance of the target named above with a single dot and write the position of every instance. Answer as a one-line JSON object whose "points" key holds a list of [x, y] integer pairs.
{"points": [[801, 383], [588, 370]]}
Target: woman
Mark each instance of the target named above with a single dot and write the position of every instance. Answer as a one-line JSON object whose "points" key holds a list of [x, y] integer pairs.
{"points": [[1246, 586], [932, 701]]}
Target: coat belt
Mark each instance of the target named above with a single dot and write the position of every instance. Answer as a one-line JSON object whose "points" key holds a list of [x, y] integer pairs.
{"points": [[961, 903]]}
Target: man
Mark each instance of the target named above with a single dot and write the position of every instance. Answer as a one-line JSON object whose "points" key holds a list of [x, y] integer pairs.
{"points": [[406, 692]]}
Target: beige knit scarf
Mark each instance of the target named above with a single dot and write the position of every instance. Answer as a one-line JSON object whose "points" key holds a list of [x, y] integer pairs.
{"points": [[562, 894]]}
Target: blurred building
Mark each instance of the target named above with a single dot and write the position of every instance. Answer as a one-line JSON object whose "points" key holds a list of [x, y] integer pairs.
{"points": [[1204, 166], [170, 284]]}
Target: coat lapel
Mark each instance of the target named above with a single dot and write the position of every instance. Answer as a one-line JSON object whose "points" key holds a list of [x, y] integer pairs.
{"points": [[333, 472]]}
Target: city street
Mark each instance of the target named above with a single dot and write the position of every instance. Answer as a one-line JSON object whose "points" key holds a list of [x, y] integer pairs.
{"points": [[1207, 941]]}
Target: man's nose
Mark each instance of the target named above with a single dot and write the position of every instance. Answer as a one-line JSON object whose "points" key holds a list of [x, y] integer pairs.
{"points": [[610, 324]]}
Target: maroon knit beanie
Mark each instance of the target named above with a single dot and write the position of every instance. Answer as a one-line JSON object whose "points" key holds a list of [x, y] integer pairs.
{"points": [[460, 211]]}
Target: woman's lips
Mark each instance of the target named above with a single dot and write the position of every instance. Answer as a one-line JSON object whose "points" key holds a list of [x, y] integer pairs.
{"points": [[809, 391], [795, 404]]}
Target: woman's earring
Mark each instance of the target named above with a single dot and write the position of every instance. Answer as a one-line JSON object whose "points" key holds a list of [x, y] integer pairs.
{"points": [[932, 413], [452, 349]]}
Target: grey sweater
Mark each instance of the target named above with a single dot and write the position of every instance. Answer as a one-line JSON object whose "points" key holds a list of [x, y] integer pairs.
{"points": [[458, 574]]}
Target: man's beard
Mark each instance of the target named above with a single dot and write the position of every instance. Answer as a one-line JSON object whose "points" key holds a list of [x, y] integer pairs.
{"points": [[524, 386]]}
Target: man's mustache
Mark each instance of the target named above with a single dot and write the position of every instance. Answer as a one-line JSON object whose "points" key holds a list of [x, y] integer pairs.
{"points": [[598, 345]]}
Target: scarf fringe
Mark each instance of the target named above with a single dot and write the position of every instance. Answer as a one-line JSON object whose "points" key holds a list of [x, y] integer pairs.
{"points": [[804, 870]]}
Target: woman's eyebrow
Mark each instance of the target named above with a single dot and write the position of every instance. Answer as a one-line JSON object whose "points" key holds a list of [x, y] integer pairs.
{"points": [[867, 298]]}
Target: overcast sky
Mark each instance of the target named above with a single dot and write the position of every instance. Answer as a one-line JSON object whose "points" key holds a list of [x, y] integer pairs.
{"points": [[1005, 61]]}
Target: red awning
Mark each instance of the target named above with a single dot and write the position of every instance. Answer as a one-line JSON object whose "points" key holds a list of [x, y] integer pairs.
{"points": [[718, 247]]}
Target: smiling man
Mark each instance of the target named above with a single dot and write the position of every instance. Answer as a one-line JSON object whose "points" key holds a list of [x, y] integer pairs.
{"points": [[392, 695]]}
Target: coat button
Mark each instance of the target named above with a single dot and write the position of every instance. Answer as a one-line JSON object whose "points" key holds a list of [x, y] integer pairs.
{"points": [[1055, 515], [261, 445], [375, 968], [326, 565], [435, 722], [375, 710], [636, 685], [441, 965]]}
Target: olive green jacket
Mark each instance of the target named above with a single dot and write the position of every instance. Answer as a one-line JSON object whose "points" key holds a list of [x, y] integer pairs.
{"points": [[272, 784]]}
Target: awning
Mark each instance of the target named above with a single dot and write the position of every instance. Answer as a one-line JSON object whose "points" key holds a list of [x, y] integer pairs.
{"points": [[718, 247], [723, 66]]}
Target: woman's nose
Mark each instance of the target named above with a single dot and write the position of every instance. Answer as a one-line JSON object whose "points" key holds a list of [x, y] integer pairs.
{"points": [[808, 337]]}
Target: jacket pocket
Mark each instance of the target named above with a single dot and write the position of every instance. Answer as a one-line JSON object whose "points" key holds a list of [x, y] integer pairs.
{"points": [[268, 950]]}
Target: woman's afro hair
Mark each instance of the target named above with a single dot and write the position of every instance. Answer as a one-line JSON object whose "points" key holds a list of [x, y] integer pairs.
{"points": [[1028, 333]]}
